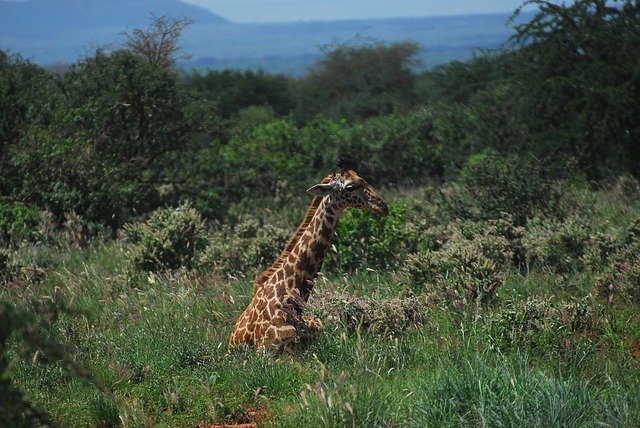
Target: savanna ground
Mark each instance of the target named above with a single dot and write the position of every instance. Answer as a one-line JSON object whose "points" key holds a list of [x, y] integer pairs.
{"points": [[474, 322]]}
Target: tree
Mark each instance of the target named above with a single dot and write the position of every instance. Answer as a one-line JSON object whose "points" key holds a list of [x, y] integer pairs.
{"points": [[27, 95], [111, 142], [235, 90], [580, 65], [359, 80], [159, 43]]}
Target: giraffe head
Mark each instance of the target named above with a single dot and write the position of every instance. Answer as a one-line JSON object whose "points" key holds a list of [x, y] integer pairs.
{"points": [[347, 189]]}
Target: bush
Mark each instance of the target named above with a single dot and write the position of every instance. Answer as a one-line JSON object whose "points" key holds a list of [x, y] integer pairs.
{"points": [[460, 273], [384, 317], [500, 239], [170, 238], [18, 222], [364, 240], [471, 263], [559, 246], [619, 278], [493, 183], [5, 265], [243, 250]]}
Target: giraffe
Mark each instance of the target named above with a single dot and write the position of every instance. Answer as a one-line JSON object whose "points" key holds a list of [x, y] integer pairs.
{"points": [[274, 319]]}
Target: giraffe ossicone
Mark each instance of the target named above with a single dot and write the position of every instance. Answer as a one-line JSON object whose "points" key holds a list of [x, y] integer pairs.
{"points": [[274, 317]]}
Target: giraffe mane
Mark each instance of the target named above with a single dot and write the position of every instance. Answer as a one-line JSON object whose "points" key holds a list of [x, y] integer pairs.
{"points": [[311, 211]]}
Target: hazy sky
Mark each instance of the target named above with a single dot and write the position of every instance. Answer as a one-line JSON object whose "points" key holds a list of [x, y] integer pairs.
{"points": [[311, 10]]}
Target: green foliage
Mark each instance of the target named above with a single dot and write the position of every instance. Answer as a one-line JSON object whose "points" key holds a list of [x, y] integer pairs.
{"points": [[617, 261], [169, 239], [560, 246], [470, 266], [460, 276], [5, 268], [575, 63], [494, 183], [24, 90], [245, 249], [364, 240], [358, 80], [18, 222], [392, 149], [511, 392], [114, 121], [236, 90]]}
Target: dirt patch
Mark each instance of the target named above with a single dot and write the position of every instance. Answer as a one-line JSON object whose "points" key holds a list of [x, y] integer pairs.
{"points": [[254, 416], [208, 425], [634, 344]]}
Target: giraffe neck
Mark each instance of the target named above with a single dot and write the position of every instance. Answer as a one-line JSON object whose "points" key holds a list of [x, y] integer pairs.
{"points": [[312, 246], [293, 272]]}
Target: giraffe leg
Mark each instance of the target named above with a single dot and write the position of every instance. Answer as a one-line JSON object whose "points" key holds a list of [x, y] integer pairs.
{"points": [[312, 323], [277, 337]]}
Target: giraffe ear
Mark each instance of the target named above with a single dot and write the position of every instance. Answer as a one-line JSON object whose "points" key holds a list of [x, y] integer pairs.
{"points": [[321, 190]]}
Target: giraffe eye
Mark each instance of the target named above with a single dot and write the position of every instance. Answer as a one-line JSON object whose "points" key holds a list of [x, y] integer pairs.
{"points": [[351, 187]]}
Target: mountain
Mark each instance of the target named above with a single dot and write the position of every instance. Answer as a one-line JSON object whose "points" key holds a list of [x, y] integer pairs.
{"points": [[50, 31], [290, 47], [49, 17]]}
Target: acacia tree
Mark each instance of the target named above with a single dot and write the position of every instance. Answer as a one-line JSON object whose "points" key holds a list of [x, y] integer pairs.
{"points": [[580, 65], [112, 141], [359, 80], [158, 44]]}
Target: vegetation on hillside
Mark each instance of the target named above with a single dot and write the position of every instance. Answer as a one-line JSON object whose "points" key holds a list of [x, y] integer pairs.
{"points": [[138, 202]]}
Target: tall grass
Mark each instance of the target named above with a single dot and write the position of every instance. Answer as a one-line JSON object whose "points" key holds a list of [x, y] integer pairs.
{"points": [[509, 391]]}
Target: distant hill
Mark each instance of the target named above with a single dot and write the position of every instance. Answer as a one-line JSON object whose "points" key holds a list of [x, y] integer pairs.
{"points": [[54, 16], [50, 31], [290, 47]]}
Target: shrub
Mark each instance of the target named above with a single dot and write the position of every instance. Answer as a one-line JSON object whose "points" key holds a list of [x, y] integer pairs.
{"points": [[5, 265], [245, 249], [626, 186], [500, 239], [493, 183], [170, 238], [460, 273], [620, 262], [18, 222], [471, 263], [560, 246], [603, 248], [389, 317], [620, 282], [366, 240]]}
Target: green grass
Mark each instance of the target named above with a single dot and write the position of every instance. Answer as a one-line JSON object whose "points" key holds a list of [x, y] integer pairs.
{"points": [[155, 350], [490, 390]]}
